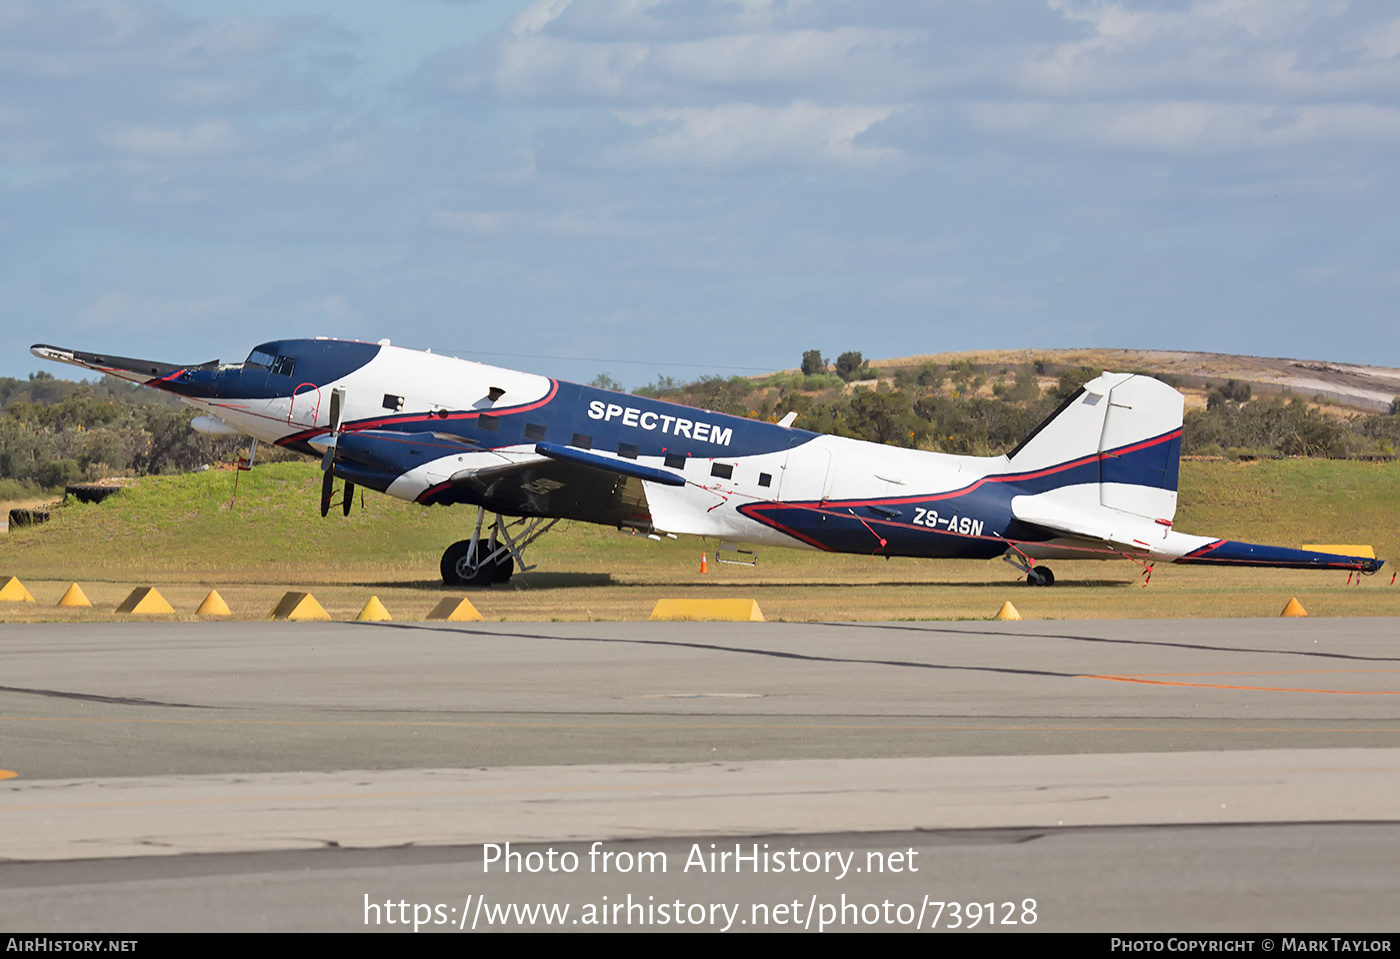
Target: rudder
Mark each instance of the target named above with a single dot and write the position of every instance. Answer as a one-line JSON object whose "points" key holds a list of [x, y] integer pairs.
{"points": [[1141, 448]]}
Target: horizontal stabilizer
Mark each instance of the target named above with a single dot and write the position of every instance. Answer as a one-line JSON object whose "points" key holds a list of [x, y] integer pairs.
{"points": [[1076, 511], [1225, 552], [124, 367]]}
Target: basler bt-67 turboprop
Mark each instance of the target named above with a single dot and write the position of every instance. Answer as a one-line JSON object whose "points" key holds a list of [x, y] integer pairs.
{"points": [[1096, 480]]}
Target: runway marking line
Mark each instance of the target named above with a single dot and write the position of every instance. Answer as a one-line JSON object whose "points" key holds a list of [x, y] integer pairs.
{"points": [[1272, 672], [904, 727], [721, 788], [706, 788], [1267, 689]]}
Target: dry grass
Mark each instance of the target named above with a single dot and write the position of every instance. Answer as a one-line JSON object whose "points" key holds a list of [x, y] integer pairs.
{"points": [[899, 589], [178, 535]]}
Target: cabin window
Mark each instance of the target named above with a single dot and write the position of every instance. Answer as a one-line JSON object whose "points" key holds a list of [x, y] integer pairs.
{"points": [[284, 366], [534, 431], [765, 479], [722, 470], [582, 441], [675, 461], [627, 450], [488, 422]]}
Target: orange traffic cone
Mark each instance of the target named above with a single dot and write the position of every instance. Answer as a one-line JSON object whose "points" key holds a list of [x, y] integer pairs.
{"points": [[704, 566]]}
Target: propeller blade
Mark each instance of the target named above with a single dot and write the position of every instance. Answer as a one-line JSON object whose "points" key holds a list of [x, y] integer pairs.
{"points": [[327, 487], [328, 458], [337, 398], [349, 499]]}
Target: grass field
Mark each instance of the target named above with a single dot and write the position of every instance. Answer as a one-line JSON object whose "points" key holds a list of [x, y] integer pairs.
{"points": [[181, 535]]}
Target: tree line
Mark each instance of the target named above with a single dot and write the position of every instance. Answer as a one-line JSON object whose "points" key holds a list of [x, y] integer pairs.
{"points": [[54, 432], [945, 407]]}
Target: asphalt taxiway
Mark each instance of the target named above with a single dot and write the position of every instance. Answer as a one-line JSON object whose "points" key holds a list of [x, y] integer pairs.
{"points": [[157, 765]]}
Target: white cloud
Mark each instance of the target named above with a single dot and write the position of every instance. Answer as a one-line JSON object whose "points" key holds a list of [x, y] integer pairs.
{"points": [[855, 57], [730, 84], [127, 310], [1382, 41], [743, 134], [72, 41], [331, 307], [135, 78], [162, 190], [204, 92], [1240, 49], [574, 223], [537, 16], [209, 138], [780, 165], [1191, 126], [547, 67], [848, 58], [469, 221]]}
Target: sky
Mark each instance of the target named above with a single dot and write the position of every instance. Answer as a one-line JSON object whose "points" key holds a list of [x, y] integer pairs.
{"points": [[699, 187]]}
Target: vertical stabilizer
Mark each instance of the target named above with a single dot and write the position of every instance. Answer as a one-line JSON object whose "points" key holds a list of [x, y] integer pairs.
{"points": [[1072, 432], [1130, 426]]}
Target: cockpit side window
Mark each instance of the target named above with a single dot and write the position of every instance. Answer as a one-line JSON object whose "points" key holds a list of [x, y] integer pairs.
{"points": [[284, 366], [259, 358]]}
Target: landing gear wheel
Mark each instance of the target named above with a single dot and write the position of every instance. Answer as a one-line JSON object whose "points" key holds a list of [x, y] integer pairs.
{"points": [[460, 570], [504, 567], [1040, 576]]}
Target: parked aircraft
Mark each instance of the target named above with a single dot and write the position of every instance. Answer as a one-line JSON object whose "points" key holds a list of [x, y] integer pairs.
{"points": [[1096, 480]]}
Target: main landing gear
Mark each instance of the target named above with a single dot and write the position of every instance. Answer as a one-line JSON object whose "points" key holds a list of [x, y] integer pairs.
{"points": [[484, 560], [1035, 575], [476, 562]]}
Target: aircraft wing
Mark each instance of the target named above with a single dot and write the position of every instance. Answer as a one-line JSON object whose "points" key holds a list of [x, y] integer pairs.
{"points": [[545, 486], [546, 481]]}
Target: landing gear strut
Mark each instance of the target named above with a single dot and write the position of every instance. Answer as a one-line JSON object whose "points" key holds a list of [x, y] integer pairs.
{"points": [[482, 561], [1035, 575]]}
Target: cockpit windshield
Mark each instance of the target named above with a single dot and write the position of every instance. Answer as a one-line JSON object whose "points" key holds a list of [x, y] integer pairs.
{"points": [[280, 365]]}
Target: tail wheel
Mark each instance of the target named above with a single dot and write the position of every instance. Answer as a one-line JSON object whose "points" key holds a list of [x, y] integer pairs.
{"points": [[461, 566], [1040, 576]]}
